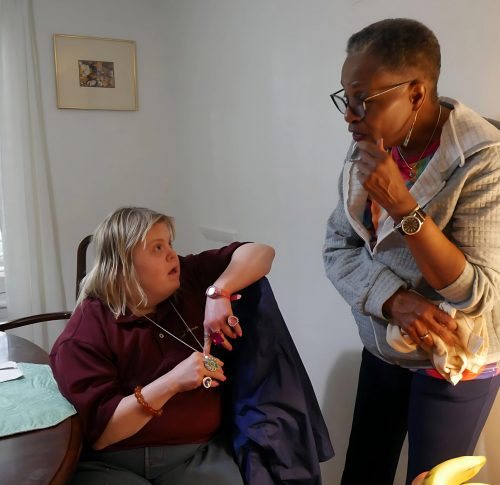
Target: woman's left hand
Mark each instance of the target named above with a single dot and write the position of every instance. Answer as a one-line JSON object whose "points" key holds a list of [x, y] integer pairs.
{"points": [[380, 176], [217, 312], [418, 317]]}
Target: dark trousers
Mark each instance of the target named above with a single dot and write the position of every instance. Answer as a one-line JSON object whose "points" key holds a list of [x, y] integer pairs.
{"points": [[442, 421]]}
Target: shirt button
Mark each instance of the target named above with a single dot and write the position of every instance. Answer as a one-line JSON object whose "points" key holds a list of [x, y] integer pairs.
{"points": [[161, 335]]}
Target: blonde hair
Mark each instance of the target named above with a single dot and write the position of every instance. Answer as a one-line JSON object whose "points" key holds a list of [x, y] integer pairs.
{"points": [[113, 279]]}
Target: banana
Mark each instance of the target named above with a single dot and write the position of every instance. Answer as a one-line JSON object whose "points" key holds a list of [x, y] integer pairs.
{"points": [[455, 471]]}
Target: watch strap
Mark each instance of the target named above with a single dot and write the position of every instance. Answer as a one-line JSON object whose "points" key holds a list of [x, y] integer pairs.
{"points": [[221, 292]]}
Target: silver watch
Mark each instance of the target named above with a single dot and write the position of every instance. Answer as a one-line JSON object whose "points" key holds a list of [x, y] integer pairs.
{"points": [[412, 223]]}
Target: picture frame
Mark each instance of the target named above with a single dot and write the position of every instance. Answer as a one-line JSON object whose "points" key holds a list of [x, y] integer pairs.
{"points": [[95, 73]]}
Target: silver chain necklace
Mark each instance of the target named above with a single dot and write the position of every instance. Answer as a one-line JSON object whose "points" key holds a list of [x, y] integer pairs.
{"points": [[412, 167], [175, 336], [208, 361]]}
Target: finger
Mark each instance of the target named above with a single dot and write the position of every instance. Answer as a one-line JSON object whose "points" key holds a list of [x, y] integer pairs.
{"points": [[445, 334], [380, 144], [219, 340], [219, 362], [219, 375], [207, 344], [226, 344], [446, 320], [234, 324], [208, 382], [368, 149], [363, 172], [426, 341], [420, 336], [365, 146], [238, 330], [228, 331]]}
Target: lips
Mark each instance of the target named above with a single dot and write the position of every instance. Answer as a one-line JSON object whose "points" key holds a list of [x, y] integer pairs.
{"points": [[356, 136], [173, 271]]}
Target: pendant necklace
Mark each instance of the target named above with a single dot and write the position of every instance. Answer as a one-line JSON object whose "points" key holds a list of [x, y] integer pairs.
{"points": [[412, 167], [208, 361]]}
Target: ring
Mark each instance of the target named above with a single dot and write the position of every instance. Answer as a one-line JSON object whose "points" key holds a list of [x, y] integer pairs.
{"points": [[207, 382], [210, 363], [233, 320], [217, 338], [423, 337]]}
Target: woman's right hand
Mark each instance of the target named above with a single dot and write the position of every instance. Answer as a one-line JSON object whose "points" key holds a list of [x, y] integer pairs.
{"points": [[417, 316], [189, 373]]}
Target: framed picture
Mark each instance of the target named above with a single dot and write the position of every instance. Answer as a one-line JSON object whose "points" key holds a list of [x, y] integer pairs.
{"points": [[95, 73]]}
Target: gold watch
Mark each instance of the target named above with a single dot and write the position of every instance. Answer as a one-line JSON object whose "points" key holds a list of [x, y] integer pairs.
{"points": [[412, 223]]}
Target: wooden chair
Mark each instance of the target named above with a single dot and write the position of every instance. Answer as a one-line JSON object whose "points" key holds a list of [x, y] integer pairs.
{"points": [[81, 262], [81, 271]]}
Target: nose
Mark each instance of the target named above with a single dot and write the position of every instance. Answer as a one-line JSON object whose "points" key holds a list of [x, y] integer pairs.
{"points": [[171, 253], [351, 116]]}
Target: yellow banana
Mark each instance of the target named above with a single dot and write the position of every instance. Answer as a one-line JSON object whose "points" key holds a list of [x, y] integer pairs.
{"points": [[455, 471]]}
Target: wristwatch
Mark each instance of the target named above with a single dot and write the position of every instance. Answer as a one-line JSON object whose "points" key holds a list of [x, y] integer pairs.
{"points": [[412, 223], [216, 292]]}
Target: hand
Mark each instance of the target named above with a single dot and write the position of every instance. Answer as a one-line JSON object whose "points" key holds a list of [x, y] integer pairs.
{"points": [[189, 373], [417, 317], [380, 176], [217, 311]]}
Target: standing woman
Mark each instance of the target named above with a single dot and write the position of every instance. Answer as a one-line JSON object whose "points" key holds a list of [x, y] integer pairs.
{"points": [[134, 358], [418, 222]]}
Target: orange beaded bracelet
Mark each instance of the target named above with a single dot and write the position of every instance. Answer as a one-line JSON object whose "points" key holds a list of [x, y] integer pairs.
{"points": [[140, 399]]}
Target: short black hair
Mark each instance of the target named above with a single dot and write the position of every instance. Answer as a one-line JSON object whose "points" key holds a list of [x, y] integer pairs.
{"points": [[400, 43]]}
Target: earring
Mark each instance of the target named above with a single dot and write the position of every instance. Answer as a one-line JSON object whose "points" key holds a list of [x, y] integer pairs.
{"points": [[408, 136]]}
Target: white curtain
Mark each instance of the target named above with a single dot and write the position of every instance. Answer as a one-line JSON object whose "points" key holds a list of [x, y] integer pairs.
{"points": [[32, 264]]}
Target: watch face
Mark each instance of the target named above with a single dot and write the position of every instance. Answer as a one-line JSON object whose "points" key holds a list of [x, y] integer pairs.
{"points": [[411, 224]]}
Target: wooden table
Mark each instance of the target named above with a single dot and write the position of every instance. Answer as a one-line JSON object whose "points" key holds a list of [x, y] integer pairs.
{"points": [[45, 456]]}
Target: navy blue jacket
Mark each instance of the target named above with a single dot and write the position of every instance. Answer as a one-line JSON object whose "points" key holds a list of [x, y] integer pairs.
{"points": [[279, 435]]}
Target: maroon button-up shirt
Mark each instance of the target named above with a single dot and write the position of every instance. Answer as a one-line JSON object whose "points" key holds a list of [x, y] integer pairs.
{"points": [[98, 360]]}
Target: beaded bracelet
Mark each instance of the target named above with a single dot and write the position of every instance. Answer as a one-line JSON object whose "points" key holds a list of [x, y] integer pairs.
{"points": [[140, 399]]}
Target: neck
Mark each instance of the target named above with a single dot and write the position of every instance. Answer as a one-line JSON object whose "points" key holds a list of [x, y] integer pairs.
{"points": [[140, 312], [428, 129]]}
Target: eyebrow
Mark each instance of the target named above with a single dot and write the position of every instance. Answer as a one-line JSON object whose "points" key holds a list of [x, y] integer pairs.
{"points": [[354, 84], [158, 239]]}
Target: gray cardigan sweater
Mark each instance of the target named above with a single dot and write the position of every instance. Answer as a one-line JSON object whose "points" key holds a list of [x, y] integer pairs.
{"points": [[460, 190]]}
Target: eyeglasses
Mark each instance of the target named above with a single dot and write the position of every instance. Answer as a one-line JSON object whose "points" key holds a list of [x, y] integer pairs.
{"points": [[359, 108]]}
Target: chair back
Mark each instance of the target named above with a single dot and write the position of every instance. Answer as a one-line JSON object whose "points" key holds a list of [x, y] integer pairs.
{"points": [[81, 271], [81, 262]]}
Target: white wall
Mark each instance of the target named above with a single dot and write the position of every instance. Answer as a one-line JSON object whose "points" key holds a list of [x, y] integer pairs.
{"points": [[101, 160], [236, 131]]}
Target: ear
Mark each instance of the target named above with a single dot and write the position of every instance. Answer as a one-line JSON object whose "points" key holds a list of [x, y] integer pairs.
{"points": [[418, 93]]}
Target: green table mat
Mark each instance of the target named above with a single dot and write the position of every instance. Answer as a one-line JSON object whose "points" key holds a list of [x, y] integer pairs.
{"points": [[32, 401]]}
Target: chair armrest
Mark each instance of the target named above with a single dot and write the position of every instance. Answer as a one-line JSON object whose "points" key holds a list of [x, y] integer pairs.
{"points": [[43, 317]]}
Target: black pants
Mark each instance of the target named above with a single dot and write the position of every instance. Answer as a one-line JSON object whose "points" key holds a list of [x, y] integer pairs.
{"points": [[443, 421]]}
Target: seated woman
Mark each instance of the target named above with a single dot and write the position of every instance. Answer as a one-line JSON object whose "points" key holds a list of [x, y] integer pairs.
{"points": [[134, 358]]}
